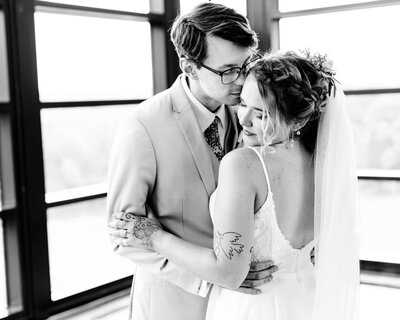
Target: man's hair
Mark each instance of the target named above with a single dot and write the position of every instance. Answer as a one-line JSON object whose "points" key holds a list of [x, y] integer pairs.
{"points": [[189, 31]]}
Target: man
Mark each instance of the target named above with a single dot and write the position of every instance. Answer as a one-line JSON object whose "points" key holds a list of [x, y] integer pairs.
{"points": [[165, 158]]}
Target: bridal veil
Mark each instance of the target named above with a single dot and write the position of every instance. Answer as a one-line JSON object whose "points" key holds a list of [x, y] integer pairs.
{"points": [[336, 217]]}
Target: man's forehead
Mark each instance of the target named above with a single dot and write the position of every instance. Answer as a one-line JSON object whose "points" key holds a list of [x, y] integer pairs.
{"points": [[225, 53], [227, 61]]}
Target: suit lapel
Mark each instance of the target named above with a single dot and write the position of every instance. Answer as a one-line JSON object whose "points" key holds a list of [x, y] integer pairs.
{"points": [[233, 129], [189, 127]]}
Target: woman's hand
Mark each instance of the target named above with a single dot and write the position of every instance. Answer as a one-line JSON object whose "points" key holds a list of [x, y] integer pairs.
{"points": [[126, 229]]}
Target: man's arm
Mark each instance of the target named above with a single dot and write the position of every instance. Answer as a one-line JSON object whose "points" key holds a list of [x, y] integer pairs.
{"points": [[228, 263], [131, 177]]}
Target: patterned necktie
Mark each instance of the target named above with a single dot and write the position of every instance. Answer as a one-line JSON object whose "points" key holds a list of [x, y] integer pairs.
{"points": [[212, 137]]}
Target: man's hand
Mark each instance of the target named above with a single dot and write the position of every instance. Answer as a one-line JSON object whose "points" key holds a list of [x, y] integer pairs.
{"points": [[126, 229], [259, 273]]}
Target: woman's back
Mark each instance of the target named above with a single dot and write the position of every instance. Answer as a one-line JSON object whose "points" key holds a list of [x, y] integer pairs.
{"points": [[290, 294], [291, 175]]}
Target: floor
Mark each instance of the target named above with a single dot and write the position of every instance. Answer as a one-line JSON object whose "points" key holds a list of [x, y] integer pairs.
{"points": [[376, 302]]}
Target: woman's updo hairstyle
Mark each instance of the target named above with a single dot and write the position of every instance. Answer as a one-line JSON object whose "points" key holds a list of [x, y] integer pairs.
{"points": [[295, 89]]}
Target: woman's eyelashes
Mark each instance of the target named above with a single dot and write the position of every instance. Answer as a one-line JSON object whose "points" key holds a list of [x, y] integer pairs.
{"points": [[257, 112]]}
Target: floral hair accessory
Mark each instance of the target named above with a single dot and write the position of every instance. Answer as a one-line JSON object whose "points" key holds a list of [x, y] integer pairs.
{"points": [[327, 81]]}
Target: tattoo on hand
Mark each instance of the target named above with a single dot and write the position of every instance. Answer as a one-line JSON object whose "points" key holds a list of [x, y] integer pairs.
{"points": [[227, 243], [143, 230]]}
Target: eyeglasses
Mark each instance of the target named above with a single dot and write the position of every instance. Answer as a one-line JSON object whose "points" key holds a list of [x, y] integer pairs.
{"points": [[231, 75]]}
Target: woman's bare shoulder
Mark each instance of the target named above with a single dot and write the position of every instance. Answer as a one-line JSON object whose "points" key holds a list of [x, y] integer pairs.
{"points": [[243, 161]]}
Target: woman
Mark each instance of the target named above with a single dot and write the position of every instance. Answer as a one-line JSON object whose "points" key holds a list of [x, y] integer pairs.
{"points": [[292, 188]]}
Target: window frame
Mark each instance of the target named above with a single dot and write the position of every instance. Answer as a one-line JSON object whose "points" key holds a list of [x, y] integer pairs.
{"points": [[25, 227], [269, 31]]}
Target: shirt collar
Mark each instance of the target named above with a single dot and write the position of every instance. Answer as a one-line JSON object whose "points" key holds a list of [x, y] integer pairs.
{"points": [[204, 116]]}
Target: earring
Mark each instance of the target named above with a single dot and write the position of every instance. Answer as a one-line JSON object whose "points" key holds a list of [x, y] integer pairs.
{"points": [[291, 139]]}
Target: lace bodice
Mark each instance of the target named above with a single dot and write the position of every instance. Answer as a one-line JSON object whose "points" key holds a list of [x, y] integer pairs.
{"points": [[269, 241]]}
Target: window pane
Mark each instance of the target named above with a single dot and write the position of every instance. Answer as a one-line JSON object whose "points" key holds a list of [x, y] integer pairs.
{"points": [[81, 256], [76, 144], [4, 89], [379, 205], [379, 302], [362, 44], [376, 124], [239, 5], [141, 6], [3, 288], [88, 58], [294, 5], [7, 183]]}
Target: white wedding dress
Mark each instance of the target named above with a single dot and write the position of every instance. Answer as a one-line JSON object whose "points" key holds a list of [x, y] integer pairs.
{"points": [[290, 295]]}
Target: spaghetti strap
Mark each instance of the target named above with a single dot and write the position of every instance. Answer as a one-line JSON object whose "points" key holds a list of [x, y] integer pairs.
{"points": [[263, 165]]}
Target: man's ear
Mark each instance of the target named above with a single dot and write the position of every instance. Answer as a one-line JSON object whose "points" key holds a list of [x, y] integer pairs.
{"points": [[189, 68]]}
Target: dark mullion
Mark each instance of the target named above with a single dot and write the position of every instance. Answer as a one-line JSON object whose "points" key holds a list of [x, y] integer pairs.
{"points": [[173, 70], [13, 264], [379, 178], [378, 174], [339, 8], [7, 212], [76, 10], [259, 13], [372, 91], [5, 107], [31, 155], [75, 200], [16, 316], [17, 261], [89, 295], [71, 104], [393, 268]]}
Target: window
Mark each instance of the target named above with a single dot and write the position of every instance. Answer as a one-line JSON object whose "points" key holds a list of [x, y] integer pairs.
{"points": [[239, 5], [10, 262], [365, 56], [120, 5], [81, 58], [4, 86], [7, 188], [79, 250], [3, 287], [359, 38], [76, 69], [101, 58], [361, 64], [71, 69], [294, 5], [76, 145]]}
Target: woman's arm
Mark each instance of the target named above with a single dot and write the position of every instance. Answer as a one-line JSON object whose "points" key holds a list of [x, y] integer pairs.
{"points": [[228, 263]]}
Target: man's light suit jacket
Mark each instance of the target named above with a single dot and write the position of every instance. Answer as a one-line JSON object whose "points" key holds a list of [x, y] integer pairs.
{"points": [[160, 160]]}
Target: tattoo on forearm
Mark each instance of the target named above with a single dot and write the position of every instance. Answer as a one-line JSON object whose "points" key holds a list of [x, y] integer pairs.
{"points": [[227, 243]]}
